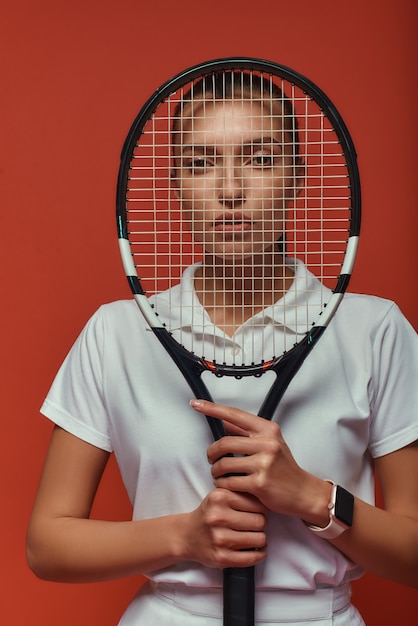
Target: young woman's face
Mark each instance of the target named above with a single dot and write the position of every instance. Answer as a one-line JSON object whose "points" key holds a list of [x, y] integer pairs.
{"points": [[234, 175]]}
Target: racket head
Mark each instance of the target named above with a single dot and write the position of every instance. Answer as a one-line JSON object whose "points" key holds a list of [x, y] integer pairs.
{"points": [[321, 205]]}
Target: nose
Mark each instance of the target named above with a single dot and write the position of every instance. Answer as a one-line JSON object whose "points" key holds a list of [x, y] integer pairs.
{"points": [[231, 187]]}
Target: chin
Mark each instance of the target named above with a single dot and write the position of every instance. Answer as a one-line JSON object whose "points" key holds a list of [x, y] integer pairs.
{"points": [[236, 256]]}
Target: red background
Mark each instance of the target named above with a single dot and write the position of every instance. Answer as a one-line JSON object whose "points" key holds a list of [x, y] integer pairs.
{"points": [[73, 75]]}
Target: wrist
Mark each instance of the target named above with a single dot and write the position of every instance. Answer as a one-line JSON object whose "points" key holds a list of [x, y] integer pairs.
{"points": [[340, 513], [316, 511], [180, 537]]}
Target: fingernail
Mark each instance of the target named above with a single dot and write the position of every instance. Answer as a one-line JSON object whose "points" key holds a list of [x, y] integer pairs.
{"points": [[196, 403]]}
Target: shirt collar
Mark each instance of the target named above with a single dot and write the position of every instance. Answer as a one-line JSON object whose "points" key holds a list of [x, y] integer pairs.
{"points": [[179, 307], [302, 303]]}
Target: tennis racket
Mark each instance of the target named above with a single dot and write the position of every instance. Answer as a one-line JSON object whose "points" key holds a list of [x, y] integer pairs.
{"points": [[243, 171]]}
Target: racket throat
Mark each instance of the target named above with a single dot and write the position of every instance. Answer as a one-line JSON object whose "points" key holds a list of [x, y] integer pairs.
{"points": [[286, 369], [191, 368]]}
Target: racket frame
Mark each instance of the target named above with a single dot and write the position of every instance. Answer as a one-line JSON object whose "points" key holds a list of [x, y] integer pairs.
{"points": [[239, 582]]}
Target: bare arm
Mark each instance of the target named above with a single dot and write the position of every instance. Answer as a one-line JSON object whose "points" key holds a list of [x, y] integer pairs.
{"points": [[384, 542], [63, 544]]}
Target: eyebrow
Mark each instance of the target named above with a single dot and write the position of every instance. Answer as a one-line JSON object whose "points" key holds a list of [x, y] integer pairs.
{"points": [[263, 141], [211, 148]]}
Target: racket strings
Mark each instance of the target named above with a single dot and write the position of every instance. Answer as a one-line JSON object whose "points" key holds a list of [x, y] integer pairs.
{"points": [[226, 169]]}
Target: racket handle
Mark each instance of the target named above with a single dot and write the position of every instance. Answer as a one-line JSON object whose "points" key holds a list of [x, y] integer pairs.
{"points": [[239, 592]]}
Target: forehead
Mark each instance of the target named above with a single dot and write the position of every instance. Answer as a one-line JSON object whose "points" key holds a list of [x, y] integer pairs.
{"points": [[240, 114]]}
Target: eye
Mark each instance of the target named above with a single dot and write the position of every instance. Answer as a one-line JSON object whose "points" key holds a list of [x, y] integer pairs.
{"points": [[196, 166], [263, 160], [199, 164], [264, 155]]}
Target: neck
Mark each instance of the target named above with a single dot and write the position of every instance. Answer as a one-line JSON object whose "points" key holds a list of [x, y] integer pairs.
{"points": [[233, 292]]}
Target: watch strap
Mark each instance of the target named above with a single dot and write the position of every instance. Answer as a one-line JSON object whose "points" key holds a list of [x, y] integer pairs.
{"points": [[336, 526]]}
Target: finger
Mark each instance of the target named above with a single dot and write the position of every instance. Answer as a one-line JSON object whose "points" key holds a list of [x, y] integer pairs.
{"points": [[243, 540], [241, 483], [236, 431], [248, 422], [242, 502], [232, 445], [239, 474], [243, 556], [233, 465], [244, 521]]}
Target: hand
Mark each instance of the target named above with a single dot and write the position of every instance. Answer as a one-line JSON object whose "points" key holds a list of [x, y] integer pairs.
{"points": [[262, 465], [227, 530]]}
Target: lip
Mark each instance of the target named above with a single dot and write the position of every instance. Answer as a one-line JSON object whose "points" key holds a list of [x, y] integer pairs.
{"points": [[232, 222]]}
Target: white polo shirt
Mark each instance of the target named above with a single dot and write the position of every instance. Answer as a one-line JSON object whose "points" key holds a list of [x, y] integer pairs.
{"points": [[354, 398]]}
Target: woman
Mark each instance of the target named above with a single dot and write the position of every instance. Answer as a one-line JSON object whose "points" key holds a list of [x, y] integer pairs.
{"points": [[236, 167]]}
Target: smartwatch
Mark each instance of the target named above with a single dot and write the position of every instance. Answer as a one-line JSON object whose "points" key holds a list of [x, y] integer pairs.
{"points": [[341, 509]]}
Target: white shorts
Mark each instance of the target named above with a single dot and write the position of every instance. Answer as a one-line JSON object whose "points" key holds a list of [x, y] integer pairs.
{"points": [[178, 605]]}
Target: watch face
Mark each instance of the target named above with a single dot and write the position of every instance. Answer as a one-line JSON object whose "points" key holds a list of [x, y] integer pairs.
{"points": [[344, 506]]}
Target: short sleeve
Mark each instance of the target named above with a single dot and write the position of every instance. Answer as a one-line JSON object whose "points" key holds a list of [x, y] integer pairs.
{"points": [[394, 392], [76, 400]]}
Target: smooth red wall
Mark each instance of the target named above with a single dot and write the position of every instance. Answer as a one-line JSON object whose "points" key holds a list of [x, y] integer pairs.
{"points": [[73, 75]]}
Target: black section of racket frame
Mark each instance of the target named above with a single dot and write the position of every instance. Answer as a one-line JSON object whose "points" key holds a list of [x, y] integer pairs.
{"points": [[239, 63]]}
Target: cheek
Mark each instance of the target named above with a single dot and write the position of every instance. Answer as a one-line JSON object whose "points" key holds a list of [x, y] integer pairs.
{"points": [[194, 221], [196, 203]]}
